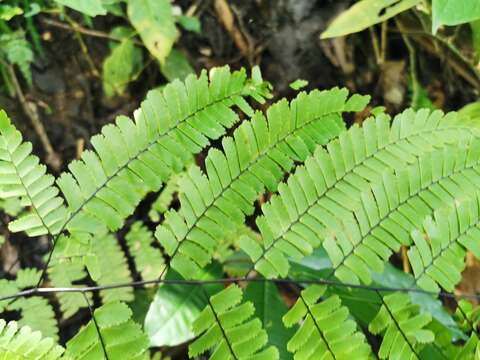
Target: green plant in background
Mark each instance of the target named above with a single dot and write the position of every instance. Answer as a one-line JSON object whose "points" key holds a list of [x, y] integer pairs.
{"points": [[340, 203], [153, 21]]}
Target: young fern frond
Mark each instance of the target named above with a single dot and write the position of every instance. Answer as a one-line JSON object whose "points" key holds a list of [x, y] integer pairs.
{"points": [[438, 256], [398, 204], [313, 202], [131, 158], [256, 157], [325, 328], [402, 325], [23, 343], [22, 176], [223, 327], [122, 338], [148, 259]]}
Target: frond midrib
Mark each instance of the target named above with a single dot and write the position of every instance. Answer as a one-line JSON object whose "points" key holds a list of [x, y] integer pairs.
{"points": [[391, 211], [329, 188], [264, 154]]}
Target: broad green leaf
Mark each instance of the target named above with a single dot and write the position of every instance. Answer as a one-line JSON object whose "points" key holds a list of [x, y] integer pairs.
{"points": [[88, 7], [190, 23], [120, 67], [171, 314], [7, 12], [176, 66], [454, 12], [154, 22], [364, 14], [269, 308]]}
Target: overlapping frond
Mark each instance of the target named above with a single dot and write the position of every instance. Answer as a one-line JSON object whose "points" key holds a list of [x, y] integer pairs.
{"points": [[225, 328], [67, 269], [112, 269], [438, 254], [398, 204], [122, 338], [213, 206], [21, 176], [132, 157], [315, 200], [326, 331], [22, 343], [402, 325], [148, 259]]}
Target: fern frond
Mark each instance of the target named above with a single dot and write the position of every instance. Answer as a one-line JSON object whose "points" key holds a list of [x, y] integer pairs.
{"points": [[121, 336], [438, 256], [325, 330], [67, 269], [112, 269], [397, 205], [315, 200], [402, 325], [131, 158], [148, 259], [36, 312], [23, 343], [223, 327], [22, 176], [256, 157]]}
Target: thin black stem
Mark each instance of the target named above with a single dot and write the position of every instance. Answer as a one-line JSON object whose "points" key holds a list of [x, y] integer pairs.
{"points": [[102, 343], [86, 289]]}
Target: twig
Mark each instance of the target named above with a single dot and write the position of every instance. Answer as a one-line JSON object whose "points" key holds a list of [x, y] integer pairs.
{"points": [[75, 27], [135, 284], [53, 159]]}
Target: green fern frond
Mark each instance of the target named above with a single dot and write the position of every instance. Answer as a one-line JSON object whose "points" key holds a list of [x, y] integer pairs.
{"points": [[148, 259], [223, 327], [36, 312], [24, 344], [131, 158], [402, 325], [326, 330], [438, 256], [397, 205], [315, 200], [22, 176], [67, 269], [255, 158], [121, 336], [112, 269]]}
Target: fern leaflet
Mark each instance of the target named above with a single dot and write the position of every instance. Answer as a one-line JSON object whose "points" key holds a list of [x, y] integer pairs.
{"points": [[325, 328], [121, 336], [402, 326], [23, 343], [439, 252], [22, 176], [223, 327]]}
